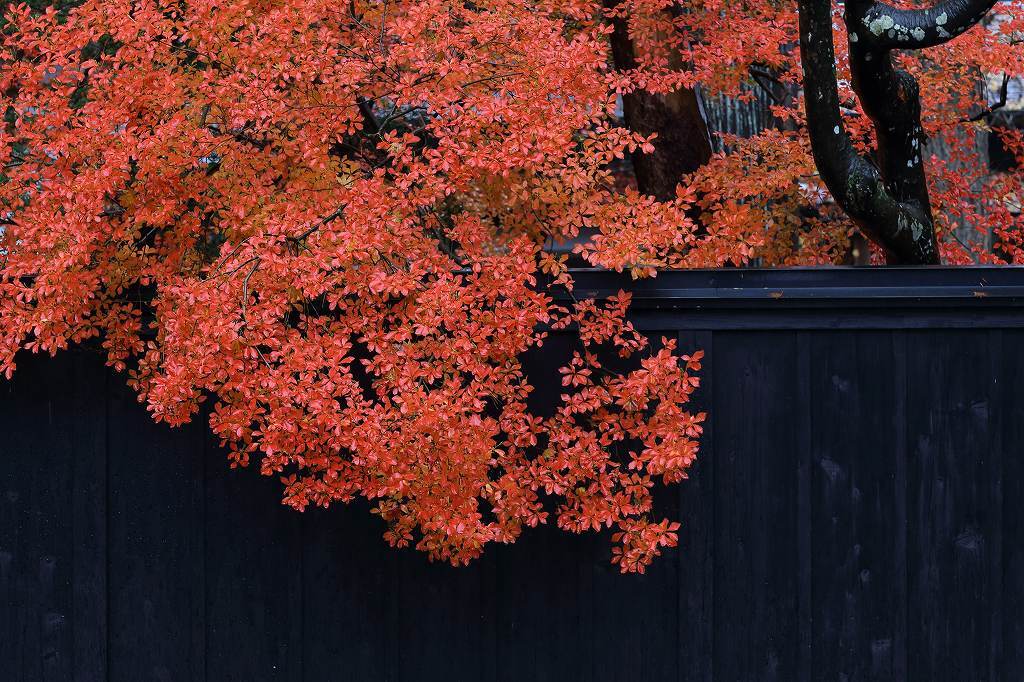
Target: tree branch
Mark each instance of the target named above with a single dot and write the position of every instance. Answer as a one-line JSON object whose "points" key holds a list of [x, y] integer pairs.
{"points": [[370, 123], [832, 148], [900, 223], [883, 26], [1004, 91], [684, 142]]}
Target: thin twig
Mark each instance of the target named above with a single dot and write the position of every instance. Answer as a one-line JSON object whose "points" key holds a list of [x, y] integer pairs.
{"points": [[988, 111]]}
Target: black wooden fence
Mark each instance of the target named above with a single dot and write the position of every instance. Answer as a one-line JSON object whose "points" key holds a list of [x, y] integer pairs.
{"points": [[857, 513]]}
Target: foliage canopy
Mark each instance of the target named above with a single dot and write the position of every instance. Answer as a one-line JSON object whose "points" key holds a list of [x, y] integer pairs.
{"points": [[340, 221]]}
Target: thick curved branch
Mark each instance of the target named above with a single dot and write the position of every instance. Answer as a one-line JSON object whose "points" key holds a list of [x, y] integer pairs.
{"points": [[884, 26], [891, 99], [684, 142], [898, 222], [830, 143]]}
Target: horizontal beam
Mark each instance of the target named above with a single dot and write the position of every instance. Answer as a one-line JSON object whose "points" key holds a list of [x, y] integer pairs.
{"points": [[787, 288]]}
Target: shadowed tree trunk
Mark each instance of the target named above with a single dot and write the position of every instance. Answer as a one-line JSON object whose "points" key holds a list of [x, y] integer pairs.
{"points": [[889, 201], [683, 144]]}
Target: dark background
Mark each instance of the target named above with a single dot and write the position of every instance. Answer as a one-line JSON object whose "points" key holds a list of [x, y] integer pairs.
{"points": [[856, 514]]}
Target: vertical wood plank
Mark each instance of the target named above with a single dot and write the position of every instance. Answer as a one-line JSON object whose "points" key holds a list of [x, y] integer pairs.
{"points": [[153, 544], [805, 548], [1012, 635], [648, 602], [697, 514], [89, 515], [432, 593], [10, 497], [633, 620], [997, 463], [755, 566], [545, 579], [901, 658], [196, 539], [952, 518], [36, 538], [542, 607], [348, 597], [858, 579], [14, 488], [253, 572]]}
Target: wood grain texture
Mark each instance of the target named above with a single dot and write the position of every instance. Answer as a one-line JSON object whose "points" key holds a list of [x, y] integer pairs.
{"points": [[756, 527], [697, 535], [36, 529], [1012, 564], [953, 520], [154, 526], [858, 564], [854, 515]]}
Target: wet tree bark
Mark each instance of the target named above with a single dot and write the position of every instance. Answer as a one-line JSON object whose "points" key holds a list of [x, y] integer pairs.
{"points": [[889, 201], [683, 144]]}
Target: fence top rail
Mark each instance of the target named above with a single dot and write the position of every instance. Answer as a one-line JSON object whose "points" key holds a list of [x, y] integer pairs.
{"points": [[843, 287]]}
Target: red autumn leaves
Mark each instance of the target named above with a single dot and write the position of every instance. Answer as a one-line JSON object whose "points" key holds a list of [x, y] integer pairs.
{"points": [[337, 221]]}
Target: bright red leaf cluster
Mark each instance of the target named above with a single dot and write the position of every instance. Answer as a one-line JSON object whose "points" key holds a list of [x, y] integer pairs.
{"points": [[337, 220]]}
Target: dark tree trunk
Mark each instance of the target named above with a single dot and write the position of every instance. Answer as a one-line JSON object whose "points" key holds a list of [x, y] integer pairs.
{"points": [[683, 144], [889, 201]]}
